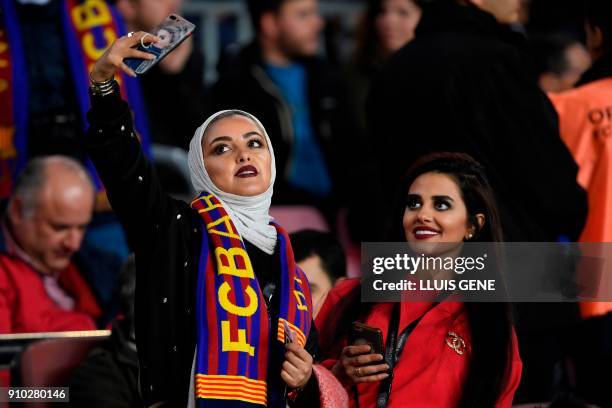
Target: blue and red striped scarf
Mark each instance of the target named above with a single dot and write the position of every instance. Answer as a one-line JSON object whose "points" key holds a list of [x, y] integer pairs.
{"points": [[90, 27], [233, 333]]}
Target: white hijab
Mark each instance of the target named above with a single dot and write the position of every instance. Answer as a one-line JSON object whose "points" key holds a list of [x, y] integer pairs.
{"points": [[249, 214]]}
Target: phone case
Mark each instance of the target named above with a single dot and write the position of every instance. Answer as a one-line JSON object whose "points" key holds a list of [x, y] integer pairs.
{"points": [[172, 31], [289, 335], [363, 334]]}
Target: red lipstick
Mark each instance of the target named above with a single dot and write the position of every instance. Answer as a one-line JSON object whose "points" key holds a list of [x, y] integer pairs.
{"points": [[247, 171], [423, 232]]}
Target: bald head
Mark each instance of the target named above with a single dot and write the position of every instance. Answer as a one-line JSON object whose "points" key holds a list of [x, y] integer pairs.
{"points": [[50, 176], [50, 209]]}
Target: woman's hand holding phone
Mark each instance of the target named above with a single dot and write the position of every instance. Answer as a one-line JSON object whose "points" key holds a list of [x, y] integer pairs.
{"points": [[112, 60], [358, 364], [297, 368]]}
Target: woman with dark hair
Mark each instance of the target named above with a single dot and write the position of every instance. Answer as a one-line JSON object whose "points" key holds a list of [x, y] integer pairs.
{"points": [[455, 354], [387, 26]]}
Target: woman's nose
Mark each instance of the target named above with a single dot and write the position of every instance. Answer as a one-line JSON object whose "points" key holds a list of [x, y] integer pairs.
{"points": [[243, 156], [424, 215]]}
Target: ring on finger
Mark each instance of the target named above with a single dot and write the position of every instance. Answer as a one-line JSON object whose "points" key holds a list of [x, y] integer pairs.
{"points": [[142, 41], [358, 372], [130, 34]]}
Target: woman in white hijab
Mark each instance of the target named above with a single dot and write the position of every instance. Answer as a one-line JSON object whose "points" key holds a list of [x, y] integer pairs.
{"points": [[220, 304]]}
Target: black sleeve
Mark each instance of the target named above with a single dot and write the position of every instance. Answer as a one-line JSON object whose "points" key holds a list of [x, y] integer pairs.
{"points": [[312, 342], [99, 382], [129, 178], [524, 139], [309, 396]]}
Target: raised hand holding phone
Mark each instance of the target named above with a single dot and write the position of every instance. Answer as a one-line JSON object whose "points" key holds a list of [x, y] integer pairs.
{"points": [[113, 59], [170, 33], [136, 52]]}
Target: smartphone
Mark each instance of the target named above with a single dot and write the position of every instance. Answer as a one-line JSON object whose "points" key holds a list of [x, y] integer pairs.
{"points": [[171, 32], [364, 334], [289, 335]]}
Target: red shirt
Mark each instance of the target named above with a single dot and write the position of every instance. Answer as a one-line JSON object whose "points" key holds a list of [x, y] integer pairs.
{"points": [[429, 372], [26, 307]]}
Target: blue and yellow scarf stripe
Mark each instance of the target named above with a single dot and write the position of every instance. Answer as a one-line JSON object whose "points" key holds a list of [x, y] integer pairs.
{"points": [[233, 330], [89, 27]]}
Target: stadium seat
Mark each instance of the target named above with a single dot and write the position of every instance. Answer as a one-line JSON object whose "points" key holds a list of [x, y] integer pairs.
{"points": [[351, 249], [49, 363], [297, 217], [173, 171]]}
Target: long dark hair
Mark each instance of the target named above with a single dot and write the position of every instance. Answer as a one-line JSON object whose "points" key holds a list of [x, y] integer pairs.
{"points": [[368, 54], [368, 51], [490, 323]]}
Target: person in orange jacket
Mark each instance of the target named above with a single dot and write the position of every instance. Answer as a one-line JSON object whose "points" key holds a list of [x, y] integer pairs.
{"points": [[456, 353], [585, 122]]}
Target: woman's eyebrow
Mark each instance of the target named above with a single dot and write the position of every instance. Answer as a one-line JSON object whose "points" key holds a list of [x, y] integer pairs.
{"points": [[220, 138], [442, 197], [251, 133], [229, 139]]}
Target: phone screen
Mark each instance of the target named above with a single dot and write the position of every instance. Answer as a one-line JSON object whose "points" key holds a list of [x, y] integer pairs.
{"points": [[171, 32], [361, 334]]}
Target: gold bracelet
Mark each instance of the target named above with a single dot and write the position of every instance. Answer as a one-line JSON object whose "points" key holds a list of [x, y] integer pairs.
{"points": [[103, 88]]}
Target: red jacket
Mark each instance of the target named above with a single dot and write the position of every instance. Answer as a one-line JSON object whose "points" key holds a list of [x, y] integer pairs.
{"points": [[429, 372], [25, 306]]}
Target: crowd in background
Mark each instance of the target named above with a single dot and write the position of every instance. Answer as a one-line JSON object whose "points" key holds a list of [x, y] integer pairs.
{"points": [[524, 87]]}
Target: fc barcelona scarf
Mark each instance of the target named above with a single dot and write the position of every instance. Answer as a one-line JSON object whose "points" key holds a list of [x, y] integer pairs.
{"points": [[233, 330], [89, 27]]}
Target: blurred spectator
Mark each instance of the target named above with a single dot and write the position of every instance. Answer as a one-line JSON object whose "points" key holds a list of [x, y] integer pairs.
{"points": [[297, 97], [109, 375], [547, 16], [560, 61], [321, 257], [41, 288], [174, 88], [463, 85], [46, 47], [524, 13], [387, 26], [585, 116], [586, 122], [39, 106]]}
